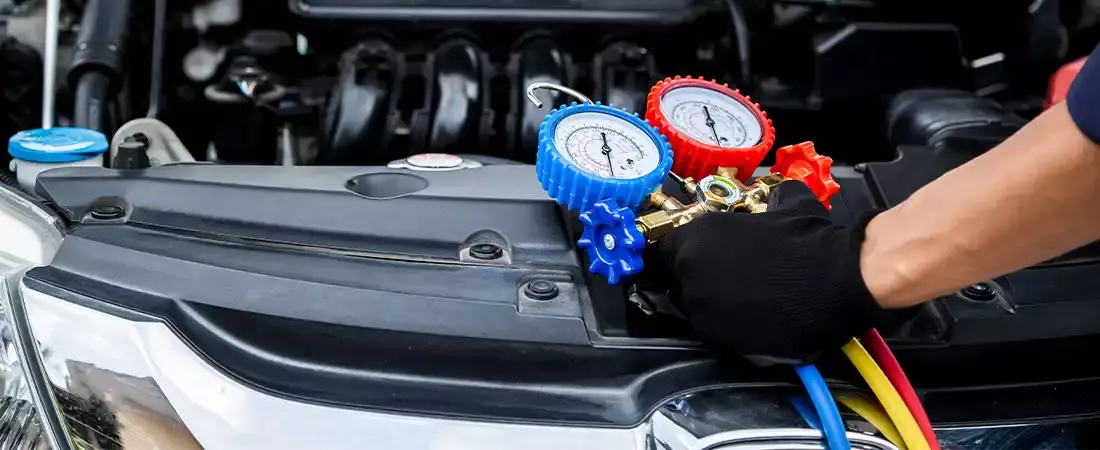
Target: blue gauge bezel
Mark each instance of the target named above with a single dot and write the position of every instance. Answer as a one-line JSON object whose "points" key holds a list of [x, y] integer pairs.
{"points": [[577, 189]]}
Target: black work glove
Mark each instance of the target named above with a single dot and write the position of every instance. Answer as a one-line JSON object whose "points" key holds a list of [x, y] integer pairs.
{"points": [[777, 287]]}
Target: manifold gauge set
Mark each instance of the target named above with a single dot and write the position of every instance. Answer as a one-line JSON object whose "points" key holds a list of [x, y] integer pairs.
{"points": [[609, 164]]}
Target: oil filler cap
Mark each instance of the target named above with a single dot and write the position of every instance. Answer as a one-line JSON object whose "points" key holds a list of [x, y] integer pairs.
{"points": [[434, 162]]}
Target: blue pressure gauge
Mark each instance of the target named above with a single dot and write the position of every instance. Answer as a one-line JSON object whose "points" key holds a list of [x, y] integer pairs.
{"points": [[591, 152]]}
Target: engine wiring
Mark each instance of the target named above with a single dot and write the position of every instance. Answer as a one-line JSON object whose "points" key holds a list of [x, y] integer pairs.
{"points": [[890, 365], [873, 414], [888, 396], [832, 426]]}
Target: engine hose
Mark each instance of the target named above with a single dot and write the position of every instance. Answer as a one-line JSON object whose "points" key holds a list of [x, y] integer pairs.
{"points": [[99, 61], [90, 103], [741, 32], [156, 72]]}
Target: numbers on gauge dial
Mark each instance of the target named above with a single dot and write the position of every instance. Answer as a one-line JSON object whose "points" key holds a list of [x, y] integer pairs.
{"points": [[606, 146], [711, 117]]}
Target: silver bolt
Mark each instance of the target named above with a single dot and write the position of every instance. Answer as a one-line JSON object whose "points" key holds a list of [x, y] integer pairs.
{"points": [[609, 241]]}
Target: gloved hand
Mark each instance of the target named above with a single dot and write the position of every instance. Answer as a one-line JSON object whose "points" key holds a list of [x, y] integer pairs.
{"points": [[776, 287]]}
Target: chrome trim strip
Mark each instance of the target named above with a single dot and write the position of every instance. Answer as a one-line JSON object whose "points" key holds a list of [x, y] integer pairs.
{"points": [[39, 388]]}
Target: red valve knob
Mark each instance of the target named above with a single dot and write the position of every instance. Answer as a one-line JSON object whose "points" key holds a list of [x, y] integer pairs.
{"points": [[801, 162], [742, 132]]}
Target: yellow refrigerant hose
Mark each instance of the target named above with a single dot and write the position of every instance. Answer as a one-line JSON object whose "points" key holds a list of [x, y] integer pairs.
{"points": [[873, 414], [886, 394]]}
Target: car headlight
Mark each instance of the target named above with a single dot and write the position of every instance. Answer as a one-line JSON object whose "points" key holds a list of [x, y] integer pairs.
{"points": [[31, 236], [66, 382], [19, 423], [105, 388]]}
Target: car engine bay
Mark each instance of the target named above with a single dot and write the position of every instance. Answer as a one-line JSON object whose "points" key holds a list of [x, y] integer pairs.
{"points": [[293, 185]]}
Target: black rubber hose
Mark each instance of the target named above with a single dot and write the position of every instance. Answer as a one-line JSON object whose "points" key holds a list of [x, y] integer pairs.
{"points": [[102, 41], [156, 72], [90, 103], [741, 32], [99, 61]]}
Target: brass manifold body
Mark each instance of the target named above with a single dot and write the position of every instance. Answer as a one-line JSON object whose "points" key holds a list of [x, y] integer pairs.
{"points": [[714, 193]]}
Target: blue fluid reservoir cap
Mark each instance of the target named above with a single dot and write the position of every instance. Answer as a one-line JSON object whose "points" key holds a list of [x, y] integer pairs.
{"points": [[57, 145], [592, 152]]}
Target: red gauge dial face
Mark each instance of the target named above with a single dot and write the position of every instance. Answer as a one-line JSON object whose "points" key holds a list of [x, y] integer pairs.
{"points": [[709, 126], [712, 117]]}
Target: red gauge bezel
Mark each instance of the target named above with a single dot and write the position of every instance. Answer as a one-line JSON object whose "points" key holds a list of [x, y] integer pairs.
{"points": [[697, 159]]}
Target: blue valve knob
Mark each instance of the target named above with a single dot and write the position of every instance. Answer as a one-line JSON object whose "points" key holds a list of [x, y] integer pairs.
{"points": [[612, 241]]}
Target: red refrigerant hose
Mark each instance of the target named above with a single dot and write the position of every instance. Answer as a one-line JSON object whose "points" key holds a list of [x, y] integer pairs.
{"points": [[876, 345]]}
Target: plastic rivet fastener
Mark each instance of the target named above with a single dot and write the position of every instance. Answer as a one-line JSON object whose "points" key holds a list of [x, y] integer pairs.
{"points": [[486, 251], [541, 290], [107, 212], [980, 292]]}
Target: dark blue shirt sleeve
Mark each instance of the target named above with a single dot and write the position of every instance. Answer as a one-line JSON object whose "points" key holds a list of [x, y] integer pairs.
{"points": [[1083, 99]]}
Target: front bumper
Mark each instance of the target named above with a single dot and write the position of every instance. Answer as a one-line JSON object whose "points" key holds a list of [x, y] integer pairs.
{"points": [[145, 388]]}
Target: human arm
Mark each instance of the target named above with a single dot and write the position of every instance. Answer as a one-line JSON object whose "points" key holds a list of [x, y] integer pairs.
{"points": [[1031, 198]]}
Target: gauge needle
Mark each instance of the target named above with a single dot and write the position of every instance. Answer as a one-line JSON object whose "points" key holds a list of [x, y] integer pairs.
{"points": [[710, 123], [607, 153]]}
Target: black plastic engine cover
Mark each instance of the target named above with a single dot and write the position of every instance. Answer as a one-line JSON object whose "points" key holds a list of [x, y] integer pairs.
{"points": [[360, 287], [330, 207], [949, 118], [356, 241]]}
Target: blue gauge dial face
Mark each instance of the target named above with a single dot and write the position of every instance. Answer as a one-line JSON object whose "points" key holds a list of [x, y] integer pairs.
{"points": [[711, 117], [606, 146]]}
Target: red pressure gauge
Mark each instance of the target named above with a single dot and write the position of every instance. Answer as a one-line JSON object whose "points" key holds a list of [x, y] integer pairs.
{"points": [[709, 126]]}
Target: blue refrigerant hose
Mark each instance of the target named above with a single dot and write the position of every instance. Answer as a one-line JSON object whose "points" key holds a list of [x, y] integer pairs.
{"points": [[806, 409], [831, 423]]}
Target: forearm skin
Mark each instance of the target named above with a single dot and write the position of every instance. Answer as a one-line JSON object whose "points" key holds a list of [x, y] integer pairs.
{"points": [[1033, 197]]}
